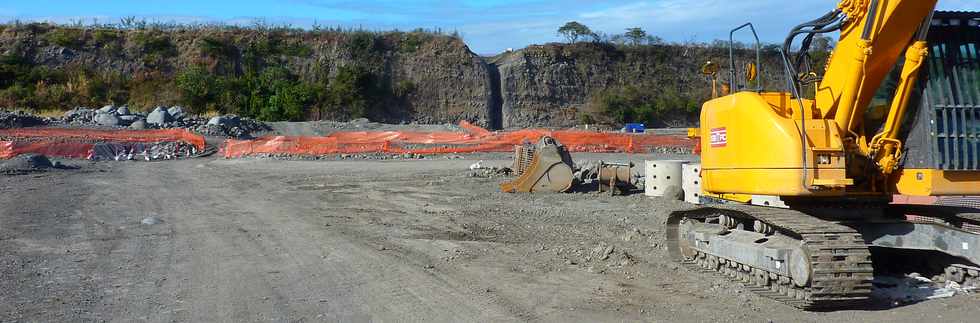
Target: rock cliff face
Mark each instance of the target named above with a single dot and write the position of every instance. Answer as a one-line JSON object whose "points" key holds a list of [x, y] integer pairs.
{"points": [[442, 80], [428, 78], [555, 84]]}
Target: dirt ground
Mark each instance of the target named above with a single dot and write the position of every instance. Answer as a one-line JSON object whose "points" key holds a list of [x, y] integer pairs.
{"points": [[356, 240]]}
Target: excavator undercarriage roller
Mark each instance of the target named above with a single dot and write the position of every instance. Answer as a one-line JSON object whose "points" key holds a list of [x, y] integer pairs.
{"points": [[783, 254]]}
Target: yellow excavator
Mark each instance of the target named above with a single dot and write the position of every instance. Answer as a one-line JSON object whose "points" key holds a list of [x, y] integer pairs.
{"points": [[802, 182]]}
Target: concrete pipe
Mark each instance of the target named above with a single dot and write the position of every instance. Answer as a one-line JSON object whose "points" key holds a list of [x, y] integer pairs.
{"points": [[692, 183], [664, 178]]}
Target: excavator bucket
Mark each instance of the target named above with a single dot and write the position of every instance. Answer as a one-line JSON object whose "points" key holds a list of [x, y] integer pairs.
{"points": [[546, 167]]}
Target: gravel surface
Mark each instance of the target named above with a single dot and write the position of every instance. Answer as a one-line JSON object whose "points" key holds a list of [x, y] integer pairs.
{"points": [[254, 240]]}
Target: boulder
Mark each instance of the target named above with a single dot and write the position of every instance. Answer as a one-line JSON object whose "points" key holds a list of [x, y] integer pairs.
{"points": [[25, 163], [107, 119], [138, 125], [79, 113], [123, 111], [227, 121], [159, 117], [128, 119], [107, 109], [177, 112]]}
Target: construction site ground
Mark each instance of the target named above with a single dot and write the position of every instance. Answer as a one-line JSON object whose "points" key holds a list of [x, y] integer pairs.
{"points": [[262, 239]]}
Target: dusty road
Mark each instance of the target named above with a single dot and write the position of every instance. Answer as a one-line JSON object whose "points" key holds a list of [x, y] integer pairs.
{"points": [[305, 241]]}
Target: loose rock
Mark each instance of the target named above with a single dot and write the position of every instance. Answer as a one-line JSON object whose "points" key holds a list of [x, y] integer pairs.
{"points": [[26, 163], [107, 119], [151, 221], [177, 113], [138, 125], [159, 116]]}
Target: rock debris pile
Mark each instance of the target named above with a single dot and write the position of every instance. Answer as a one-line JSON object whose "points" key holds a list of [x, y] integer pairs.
{"points": [[163, 117], [19, 120], [29, 163]]}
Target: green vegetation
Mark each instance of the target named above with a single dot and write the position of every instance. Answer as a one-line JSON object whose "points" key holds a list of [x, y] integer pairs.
{"points": [[104, 36], [241, 71], [650, 104], [67, 37], [635, 35], [41, 87], [411, 42], [154, 42], [573, 31], [274, 95], [266, 71], [217, 48]]}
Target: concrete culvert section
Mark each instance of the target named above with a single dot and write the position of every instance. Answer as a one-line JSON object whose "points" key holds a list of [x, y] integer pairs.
{"points": [[664, 178]]}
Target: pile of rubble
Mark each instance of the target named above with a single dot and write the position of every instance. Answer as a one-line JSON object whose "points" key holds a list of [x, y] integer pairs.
{"points": [[19, 120], [29, 163], [164, 117]]}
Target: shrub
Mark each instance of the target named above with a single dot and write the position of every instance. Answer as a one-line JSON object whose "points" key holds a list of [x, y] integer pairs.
{"points": [[105, 36], [654, 106], [297, 49], [351, 93], [66, 37], [362, 45], [217, 48], [404, 88], [154, 42], [15, 96], [411, 42], [196, 86]]}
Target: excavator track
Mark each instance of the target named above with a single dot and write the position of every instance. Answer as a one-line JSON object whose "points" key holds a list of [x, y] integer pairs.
{"points": [[840, 261]]}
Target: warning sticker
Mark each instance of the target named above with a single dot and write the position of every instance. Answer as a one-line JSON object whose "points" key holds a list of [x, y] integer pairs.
{"points": [[719, 137]]}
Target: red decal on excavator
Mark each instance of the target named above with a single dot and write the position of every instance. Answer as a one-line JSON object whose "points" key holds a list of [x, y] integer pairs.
{"points": [[719, 137]]}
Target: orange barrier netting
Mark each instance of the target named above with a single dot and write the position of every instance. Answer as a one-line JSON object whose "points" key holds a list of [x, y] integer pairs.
{"points": [[475, 139], [78, 143], [10, 149]]}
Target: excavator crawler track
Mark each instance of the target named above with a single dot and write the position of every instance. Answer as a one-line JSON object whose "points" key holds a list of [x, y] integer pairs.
{"points": [[840, 261]]}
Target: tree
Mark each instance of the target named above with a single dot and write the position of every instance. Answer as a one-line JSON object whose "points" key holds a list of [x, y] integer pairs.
{"points": [[820, 50], [822, 44], [636, 35], [196, 87], [654, 40], [573, 30]]}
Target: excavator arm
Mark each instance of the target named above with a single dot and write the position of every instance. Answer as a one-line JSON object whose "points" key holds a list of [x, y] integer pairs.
{"points": [[874, 33]]}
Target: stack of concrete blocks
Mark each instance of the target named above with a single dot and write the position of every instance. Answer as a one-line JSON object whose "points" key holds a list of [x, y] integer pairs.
{"points": [[664, 178], [692, 183]]}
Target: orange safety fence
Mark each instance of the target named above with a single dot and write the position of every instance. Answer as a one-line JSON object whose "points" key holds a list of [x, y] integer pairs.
{"points": [[475, 139], [11, 149], [79, 143]]}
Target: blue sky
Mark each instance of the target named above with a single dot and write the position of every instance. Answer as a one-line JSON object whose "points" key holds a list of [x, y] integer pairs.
{"points": [[488, 26]]}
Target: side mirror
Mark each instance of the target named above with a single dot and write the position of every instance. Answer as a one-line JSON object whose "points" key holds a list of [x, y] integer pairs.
{"points": [[751, 72]]}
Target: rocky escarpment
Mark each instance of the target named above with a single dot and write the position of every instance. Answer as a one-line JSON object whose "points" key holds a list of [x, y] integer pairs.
{"points": [[413, 76], [287, 74], [556, 84]]}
